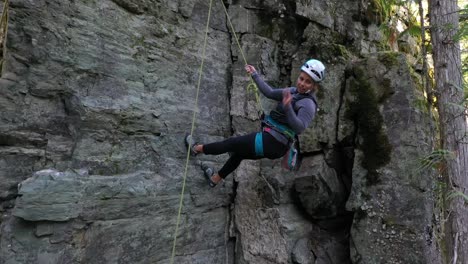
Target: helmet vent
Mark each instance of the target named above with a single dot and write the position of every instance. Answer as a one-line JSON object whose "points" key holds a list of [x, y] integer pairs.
{"points": [[316, 73]]}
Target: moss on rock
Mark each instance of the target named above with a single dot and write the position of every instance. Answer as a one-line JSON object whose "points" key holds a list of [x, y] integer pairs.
{"points": [[389, 58], [364, 110], [331, 52], [341, 50]]}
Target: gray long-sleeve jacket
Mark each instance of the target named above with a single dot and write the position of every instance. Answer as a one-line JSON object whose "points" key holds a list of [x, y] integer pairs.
{"points": [[299, 114]]}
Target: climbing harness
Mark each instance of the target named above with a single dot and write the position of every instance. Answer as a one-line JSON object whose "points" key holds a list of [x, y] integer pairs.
{"points": [[291, 160], [285, 130], [3, 34], [259, 144], [268, 124]]}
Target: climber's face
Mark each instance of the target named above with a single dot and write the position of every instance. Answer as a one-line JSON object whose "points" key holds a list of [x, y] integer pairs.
{"points": [[305, 83]]}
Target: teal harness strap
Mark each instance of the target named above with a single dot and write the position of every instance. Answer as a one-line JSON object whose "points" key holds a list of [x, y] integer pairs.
{"points": [[259, 144], [282, 128]]}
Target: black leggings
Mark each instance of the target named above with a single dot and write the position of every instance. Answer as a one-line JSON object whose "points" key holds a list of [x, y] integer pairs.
{"points": [[243, 147]]}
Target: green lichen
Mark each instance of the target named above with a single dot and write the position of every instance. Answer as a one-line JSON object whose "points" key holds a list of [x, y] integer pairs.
{"points": [[420, 102], [389, 58], [341, 51], [383, 45], [364, 110], [416, 78], [332, 52], [139, 41]]}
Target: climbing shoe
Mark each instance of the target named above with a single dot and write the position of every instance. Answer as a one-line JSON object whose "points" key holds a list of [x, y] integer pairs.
{"points": [[208, 172], [190, 144]]}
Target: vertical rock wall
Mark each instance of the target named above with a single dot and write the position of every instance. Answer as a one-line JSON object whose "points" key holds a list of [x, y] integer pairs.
{"points": [[109, 87], [391, 197], [96, 97]]}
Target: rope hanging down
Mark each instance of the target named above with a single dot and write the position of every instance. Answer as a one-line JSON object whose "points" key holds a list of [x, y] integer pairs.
{"points": [[252, 86], [200, 72], [3, 33]]}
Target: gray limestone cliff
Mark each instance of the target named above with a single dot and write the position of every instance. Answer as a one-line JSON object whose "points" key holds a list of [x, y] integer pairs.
{"points": [[96, 97]]}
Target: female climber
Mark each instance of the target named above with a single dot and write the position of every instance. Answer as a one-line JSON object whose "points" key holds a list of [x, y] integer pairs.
{"points": [[295, 110]]}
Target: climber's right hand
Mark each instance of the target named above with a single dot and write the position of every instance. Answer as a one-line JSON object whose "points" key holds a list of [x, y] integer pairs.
{"points": [[250, 69]]}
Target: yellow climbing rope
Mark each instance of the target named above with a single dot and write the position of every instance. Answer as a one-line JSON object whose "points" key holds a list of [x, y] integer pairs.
{"points": [[251, 86], [200, 72], [3, 33]]}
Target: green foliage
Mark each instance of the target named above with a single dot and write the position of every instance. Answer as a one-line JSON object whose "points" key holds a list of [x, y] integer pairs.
{"points": [[436, 159], [391, 17], [454, 194], [462, 33], [463, 104], [413, 30], [384, 8], [413, 26], [388, 31]]}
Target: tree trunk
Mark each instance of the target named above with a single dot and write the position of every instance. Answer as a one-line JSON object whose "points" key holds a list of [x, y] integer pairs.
{"points": [[3, 33], [452, 118]]}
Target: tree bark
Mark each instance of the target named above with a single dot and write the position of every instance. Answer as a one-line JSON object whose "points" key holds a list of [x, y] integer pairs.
{"points": [[3, 34], [452, 120]]}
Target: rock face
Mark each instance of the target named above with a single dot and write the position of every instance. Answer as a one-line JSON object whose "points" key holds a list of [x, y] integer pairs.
{"points": [[96, 97], [391, 197]]}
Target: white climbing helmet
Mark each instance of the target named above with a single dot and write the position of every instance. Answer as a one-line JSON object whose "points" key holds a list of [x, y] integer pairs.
{"points": [[315, 69]]}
